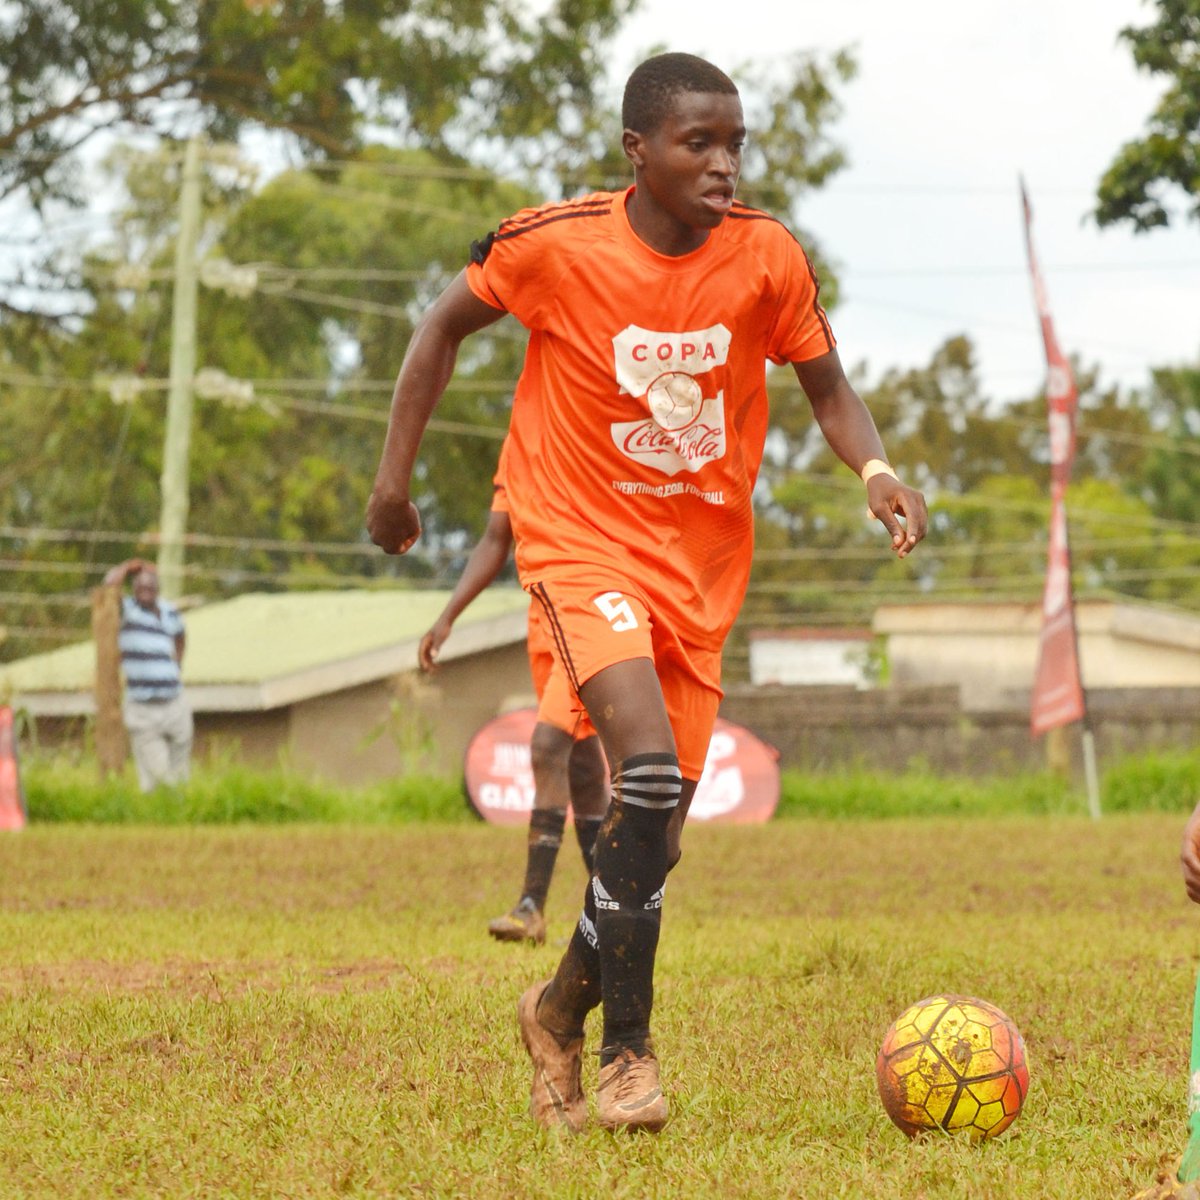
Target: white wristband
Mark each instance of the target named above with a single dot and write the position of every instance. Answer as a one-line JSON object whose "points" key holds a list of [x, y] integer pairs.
{"points": [[875, 466]]}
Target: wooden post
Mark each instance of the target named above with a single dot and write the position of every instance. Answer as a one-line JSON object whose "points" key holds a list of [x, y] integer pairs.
{"points": [[1058, 751], [111, 742]]}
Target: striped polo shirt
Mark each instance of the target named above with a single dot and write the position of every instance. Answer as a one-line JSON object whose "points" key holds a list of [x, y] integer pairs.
{"points": [[147, 645]]}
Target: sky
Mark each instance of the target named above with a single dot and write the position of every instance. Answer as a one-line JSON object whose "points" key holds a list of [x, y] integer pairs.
{"points": [[952, 103]]}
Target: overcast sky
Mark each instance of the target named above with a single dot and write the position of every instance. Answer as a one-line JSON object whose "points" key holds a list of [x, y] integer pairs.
{"points": [[953, 100]]}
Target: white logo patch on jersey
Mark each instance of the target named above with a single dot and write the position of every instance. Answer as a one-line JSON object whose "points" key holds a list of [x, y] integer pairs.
{"points": [[683, 429]]}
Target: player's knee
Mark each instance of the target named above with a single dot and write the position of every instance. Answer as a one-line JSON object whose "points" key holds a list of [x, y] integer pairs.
{"points": [[649, 782], [549, 748], [588, 777]]}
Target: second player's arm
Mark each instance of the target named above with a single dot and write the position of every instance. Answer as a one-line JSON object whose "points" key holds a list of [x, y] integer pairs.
{"points": [[849, 428], [483, 565], [392, 519]]}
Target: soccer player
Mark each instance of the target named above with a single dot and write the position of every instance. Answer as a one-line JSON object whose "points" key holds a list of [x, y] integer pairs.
{"points": [[568, 764], [636, 436]]}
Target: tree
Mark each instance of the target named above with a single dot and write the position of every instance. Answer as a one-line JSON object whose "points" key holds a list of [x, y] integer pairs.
{"points": [[442, 75], [1138, 184]]}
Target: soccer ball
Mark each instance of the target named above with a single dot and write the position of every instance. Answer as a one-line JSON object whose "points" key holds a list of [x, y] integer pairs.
{"points": [[953, 1063]]}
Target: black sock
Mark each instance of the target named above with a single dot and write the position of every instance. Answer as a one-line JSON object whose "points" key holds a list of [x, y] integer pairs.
{"points": [[631, 870], [545, 837], [586, 829], [575, 989]]}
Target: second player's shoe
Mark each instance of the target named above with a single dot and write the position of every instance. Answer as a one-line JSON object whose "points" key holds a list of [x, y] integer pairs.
{"points": [[556, 1099], [629, 1094], [524, 924]]}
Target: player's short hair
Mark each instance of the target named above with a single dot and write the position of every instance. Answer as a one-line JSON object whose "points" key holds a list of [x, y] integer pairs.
{"points": [[653, 86]]}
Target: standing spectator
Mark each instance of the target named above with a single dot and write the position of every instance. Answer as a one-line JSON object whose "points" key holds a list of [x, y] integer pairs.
{"points": [[157, 716]]}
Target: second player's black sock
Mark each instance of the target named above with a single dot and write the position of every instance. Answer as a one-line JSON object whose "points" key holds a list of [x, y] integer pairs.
{"points": [[545, 837]]}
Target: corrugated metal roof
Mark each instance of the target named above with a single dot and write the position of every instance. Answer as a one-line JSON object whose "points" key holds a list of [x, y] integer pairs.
{"points": [[264, 636]]}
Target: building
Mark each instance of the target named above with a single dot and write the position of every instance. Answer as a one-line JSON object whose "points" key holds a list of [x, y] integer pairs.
{"points": [[990, 650], [811, 656], [327, 681]]}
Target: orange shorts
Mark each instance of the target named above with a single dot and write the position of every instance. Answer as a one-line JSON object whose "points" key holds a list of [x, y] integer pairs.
{"points": [[557, 703], [600, 621]]}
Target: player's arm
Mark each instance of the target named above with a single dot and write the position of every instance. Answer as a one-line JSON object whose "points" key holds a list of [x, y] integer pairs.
{"points": [[483, 565], [850, 431], [392, 519], [1189, 855]]}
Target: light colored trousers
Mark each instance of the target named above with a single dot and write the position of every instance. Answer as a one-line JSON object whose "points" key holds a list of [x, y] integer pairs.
{"points": [[160, 736]]}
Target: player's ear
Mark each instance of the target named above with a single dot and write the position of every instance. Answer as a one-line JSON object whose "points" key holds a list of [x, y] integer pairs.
{"points": [[632, 143]]}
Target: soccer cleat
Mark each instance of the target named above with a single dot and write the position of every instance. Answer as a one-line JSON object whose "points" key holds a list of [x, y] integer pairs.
{"points": [[629, 1095], [524, 924], [556, 1098]]}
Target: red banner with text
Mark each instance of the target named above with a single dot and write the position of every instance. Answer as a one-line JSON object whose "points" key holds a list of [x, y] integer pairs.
{"points": [[740, 783], [1058, 697]]}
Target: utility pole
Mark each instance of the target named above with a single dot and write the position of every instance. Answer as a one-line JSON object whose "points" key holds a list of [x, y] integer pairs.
{"points": [[173, 492]]}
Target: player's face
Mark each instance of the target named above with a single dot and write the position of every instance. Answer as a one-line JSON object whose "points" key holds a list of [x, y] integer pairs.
{"points": [[687, 170]]}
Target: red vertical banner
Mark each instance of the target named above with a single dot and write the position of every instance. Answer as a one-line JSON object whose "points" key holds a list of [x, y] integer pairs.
{"points": [[12, 802], [1057, 686]]}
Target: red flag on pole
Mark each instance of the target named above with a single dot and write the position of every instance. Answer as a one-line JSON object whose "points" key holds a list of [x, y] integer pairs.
{"points": [[1058, 697]]}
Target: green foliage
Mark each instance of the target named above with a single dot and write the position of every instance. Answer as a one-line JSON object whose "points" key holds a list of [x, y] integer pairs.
{"points": [[1153, 782], [1148, 172], [443, 72], [870, 794], [57, 791]]}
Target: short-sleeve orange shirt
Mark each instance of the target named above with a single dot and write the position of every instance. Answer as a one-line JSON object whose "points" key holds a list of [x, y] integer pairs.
{"points": [[641, 413]]}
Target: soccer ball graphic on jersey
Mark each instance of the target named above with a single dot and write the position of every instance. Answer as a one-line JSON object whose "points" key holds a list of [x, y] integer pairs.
{"points": [[953, 1063], [675, 400]]}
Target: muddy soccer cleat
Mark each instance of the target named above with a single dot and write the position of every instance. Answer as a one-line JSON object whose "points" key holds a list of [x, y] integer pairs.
{"points": [[629, 1094], [524, 924], [556, 1098]]}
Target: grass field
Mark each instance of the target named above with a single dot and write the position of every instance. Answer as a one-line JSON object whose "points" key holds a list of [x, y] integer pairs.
{"points": [[312, 1011]]}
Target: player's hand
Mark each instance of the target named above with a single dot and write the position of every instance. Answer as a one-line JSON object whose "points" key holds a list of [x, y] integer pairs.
{"points": [[393, 523], [431, 643], [1189, 855], [888, 500]]}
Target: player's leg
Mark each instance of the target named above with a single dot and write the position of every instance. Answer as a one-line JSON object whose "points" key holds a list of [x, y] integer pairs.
{"points": [[550, 753], [609, 645], [588, 779], [628, 1093], [675, 828], [627, 707]]}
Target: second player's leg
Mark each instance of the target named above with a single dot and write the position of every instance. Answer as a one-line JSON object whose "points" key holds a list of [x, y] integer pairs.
{"points": [[588, 777], [550, 751]]}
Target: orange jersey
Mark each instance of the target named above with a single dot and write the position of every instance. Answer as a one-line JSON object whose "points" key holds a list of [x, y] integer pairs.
{"points": [[641, 413]]}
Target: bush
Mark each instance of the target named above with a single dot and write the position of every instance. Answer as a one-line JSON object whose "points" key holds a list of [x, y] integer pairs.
{"points": [[227, 792], [232, 793]]}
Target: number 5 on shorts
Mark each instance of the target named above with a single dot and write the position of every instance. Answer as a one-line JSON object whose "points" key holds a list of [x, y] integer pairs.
{"points": [[616, 611]]}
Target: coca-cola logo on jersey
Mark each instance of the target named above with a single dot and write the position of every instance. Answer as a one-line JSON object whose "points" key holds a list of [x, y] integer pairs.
{"points": [[669, 373], [697, 442]]}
